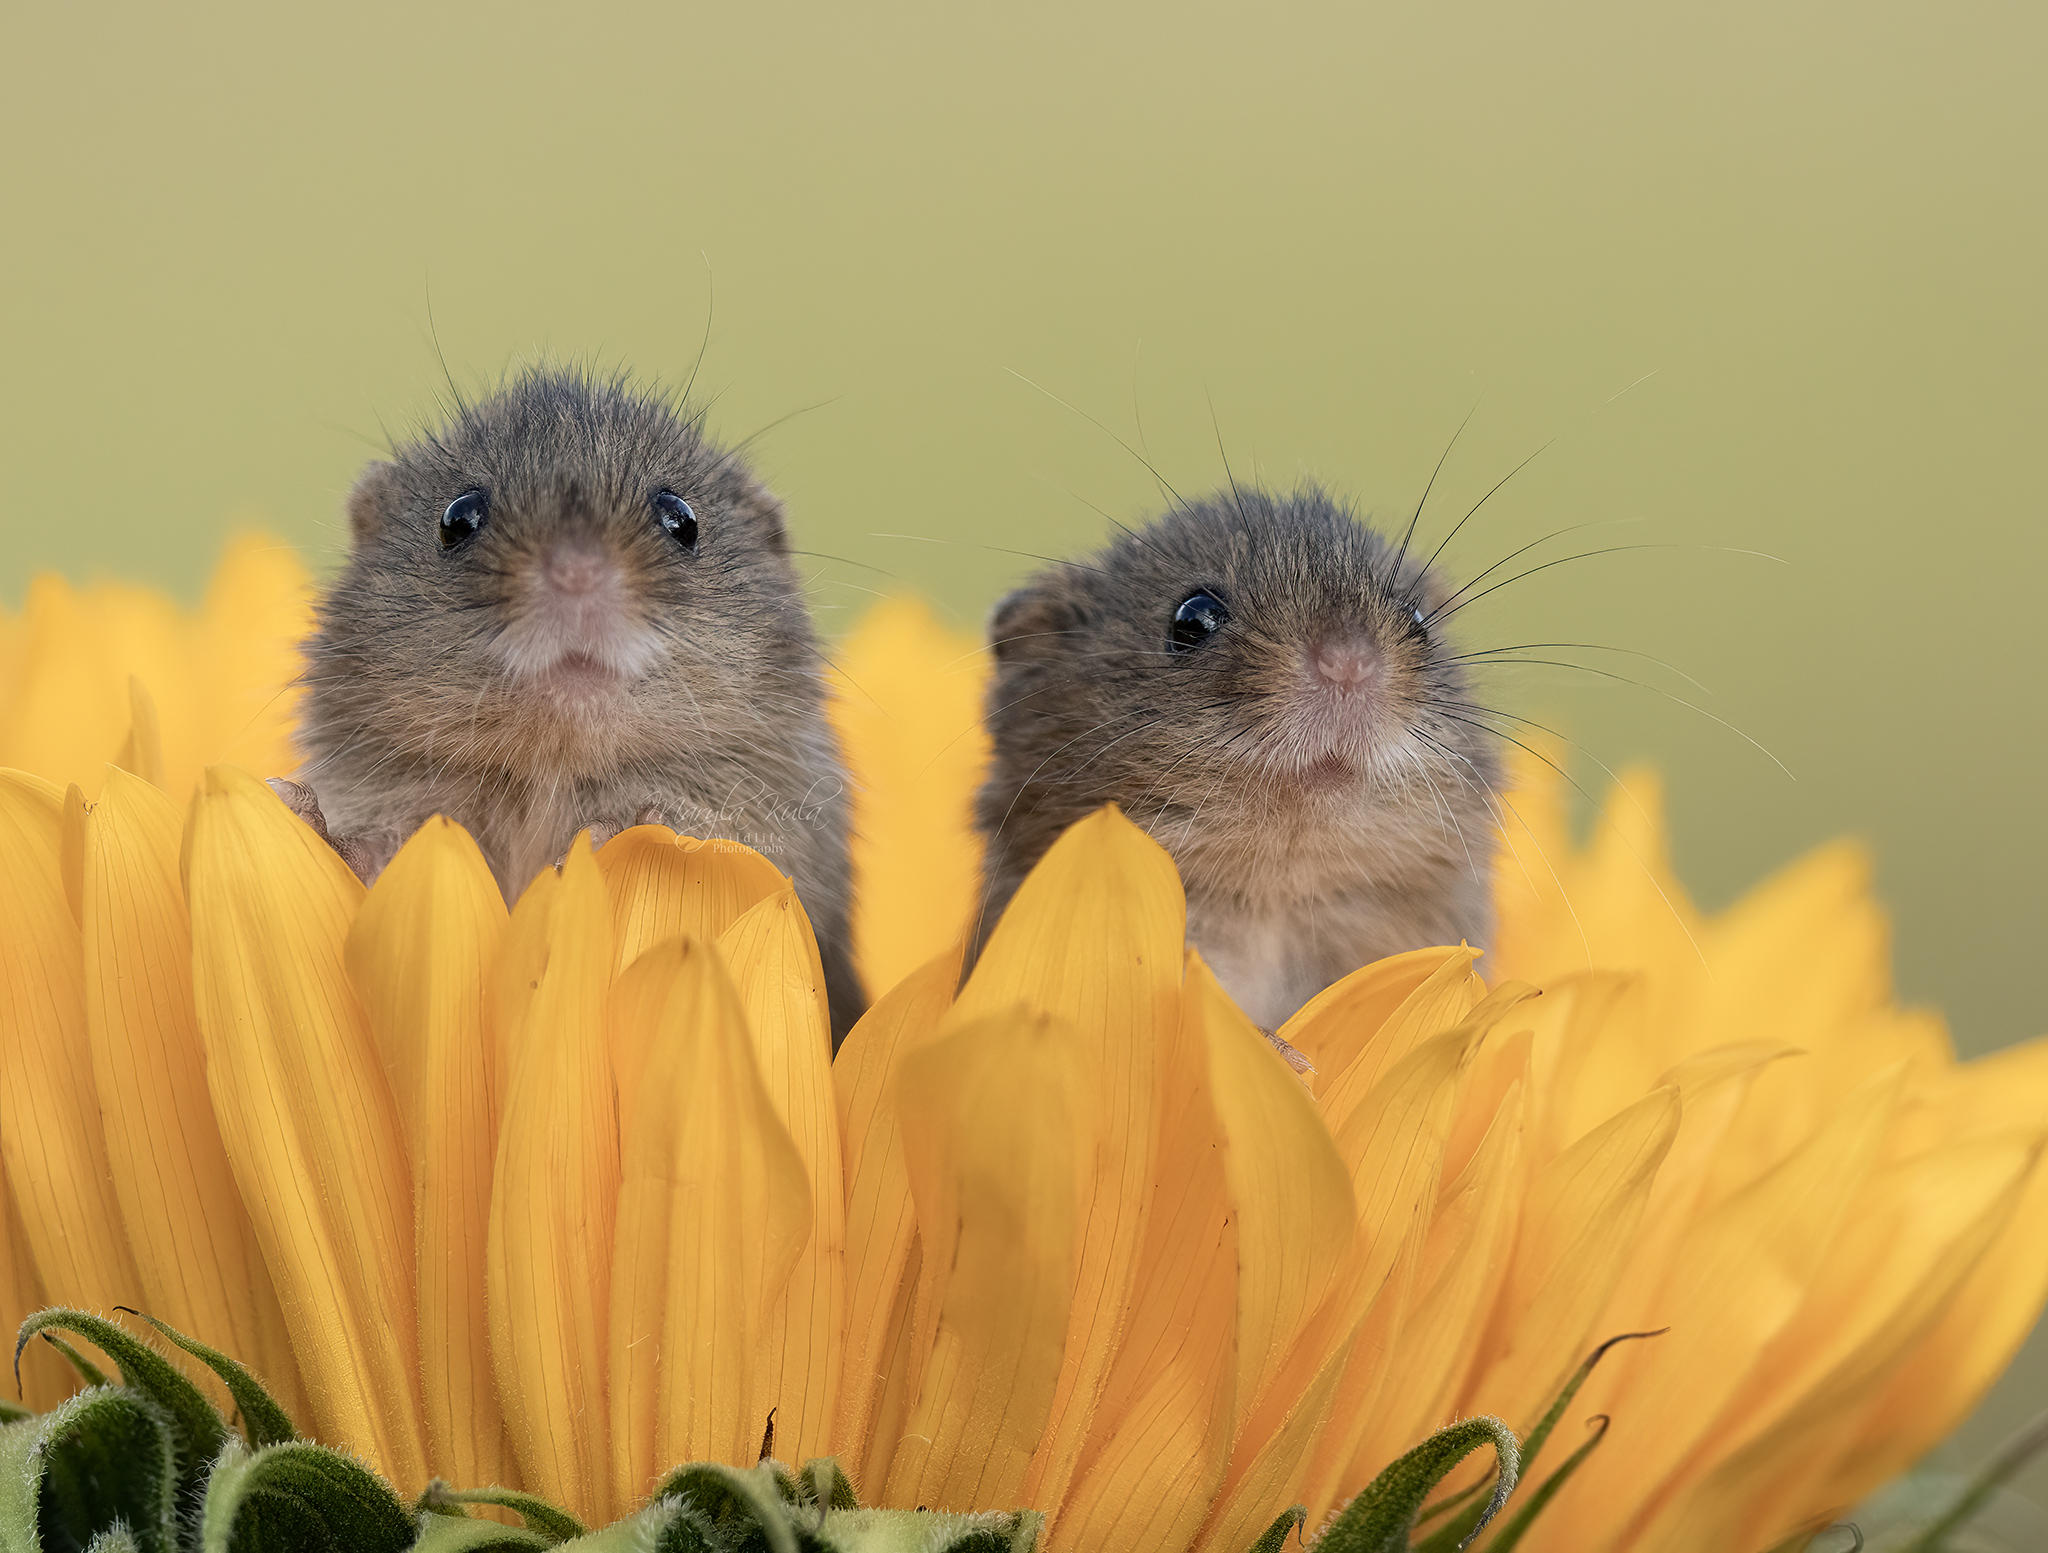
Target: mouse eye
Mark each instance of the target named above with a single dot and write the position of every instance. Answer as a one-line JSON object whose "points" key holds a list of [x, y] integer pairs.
{"points": [[1200, 616], [464, 517], [676, 518], [1421, 620]]}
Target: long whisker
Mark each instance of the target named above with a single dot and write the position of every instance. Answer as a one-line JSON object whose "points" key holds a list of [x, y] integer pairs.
{"points": [[1447, 609]]}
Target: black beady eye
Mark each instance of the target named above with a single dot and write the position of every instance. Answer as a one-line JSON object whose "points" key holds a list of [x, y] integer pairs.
{"points": [[676, 518], [465, 515], [1421, 620], [1200, 616]]}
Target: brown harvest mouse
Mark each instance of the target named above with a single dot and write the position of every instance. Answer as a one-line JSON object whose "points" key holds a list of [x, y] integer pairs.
{"points": [[1258, 681], [569, 608]]}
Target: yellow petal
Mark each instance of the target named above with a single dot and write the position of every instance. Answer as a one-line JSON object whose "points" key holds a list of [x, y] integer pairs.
{"points": [[714, 1209], [663, 885], [907, 705], [1395, 1139], [999, 1121], [1464, 1259], [1392, 1145], [245, 653], [553, 1197], [1261, 1485], [194, 1246], [1438, 1002], [143, 753], [1332, 1027], [46, 1379], [881, 1221], [51, 1135], [71, 710], [1289, 1187], [1733, 1284], [776, 971], [1578, 1224], [1161, 1437], [71, 851], [419, 956], [1712, 1088], [307, 1114], [1967, 1348], [515, 980], [1913, 1237], [1094, 936]]}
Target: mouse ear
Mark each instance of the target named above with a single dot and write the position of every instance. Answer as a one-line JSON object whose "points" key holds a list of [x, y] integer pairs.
{"points": [[1027, 623], [370, 502]]}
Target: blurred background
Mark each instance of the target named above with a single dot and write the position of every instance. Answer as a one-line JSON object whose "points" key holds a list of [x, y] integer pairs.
{"points": [[1760, 277]]}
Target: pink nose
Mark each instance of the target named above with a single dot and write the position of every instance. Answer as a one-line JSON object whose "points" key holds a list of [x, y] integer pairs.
{"points": [[575, 566], [1346, 662]]}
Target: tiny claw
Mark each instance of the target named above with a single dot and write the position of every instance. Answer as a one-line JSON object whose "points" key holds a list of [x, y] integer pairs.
{"points": [[1293, 1056], [305, 803]]}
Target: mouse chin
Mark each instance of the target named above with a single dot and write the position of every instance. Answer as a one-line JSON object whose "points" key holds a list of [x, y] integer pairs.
{"points": [[580, 683]]}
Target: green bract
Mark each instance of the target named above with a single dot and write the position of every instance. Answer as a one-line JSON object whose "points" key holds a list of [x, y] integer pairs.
{"points": [[148, 1465]]}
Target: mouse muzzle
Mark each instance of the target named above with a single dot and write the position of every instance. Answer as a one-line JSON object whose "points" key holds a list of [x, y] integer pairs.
{"points": [[576, 627]]}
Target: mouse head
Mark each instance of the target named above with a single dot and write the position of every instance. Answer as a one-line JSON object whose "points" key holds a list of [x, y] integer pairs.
{"points": [[569, 567], [1247, 645]]}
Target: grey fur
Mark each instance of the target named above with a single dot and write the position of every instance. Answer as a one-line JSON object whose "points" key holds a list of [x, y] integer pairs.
{"points": [[715, 725], [1307, 849]]}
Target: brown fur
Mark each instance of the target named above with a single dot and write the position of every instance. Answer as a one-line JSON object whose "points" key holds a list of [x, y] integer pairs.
{"points": [[437, 682], [1314, 831]]}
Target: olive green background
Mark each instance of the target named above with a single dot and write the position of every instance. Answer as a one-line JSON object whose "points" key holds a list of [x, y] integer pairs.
{"points": [[1757, 276]]}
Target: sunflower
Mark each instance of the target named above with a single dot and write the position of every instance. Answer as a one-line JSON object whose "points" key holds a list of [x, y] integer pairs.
{"points": [[561, 1198]]}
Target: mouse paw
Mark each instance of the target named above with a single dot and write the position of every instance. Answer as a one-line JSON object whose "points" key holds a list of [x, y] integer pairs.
{"points": [[1293, 1056], [361, 858], [653, 814]]}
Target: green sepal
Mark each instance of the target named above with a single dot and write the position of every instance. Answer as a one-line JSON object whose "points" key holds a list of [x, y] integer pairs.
{"points": [[440, 1533], [88, 1372], [263, 1420], [118, 1540], [12, 1413], [1274, 1538], [1462, 1531], [931, 1531], [1537, 1436], [1525, 1514], [1380, 1518], [100, 1458], [300, 1498], [744, 1509], [196, 1429], [546, 1520], [821, 1483]]}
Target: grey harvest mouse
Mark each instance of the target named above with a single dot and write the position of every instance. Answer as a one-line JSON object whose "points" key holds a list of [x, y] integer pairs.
{"points": [[568, 608], [1258, 681]]}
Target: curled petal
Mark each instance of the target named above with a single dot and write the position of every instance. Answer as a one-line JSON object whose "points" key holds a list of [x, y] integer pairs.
{"points": [[907, 705], [663, 886], [194, 1245], [1094, 936], [781, 983], [1000, 1123], [51, 1135], [881, 1220], [714, 1211], [553, 1197], [311, 1128], [419, 956]]}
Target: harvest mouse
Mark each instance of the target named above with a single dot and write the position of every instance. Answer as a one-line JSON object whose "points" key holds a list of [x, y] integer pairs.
{"points": [[569, 608], [1260, 683]]}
